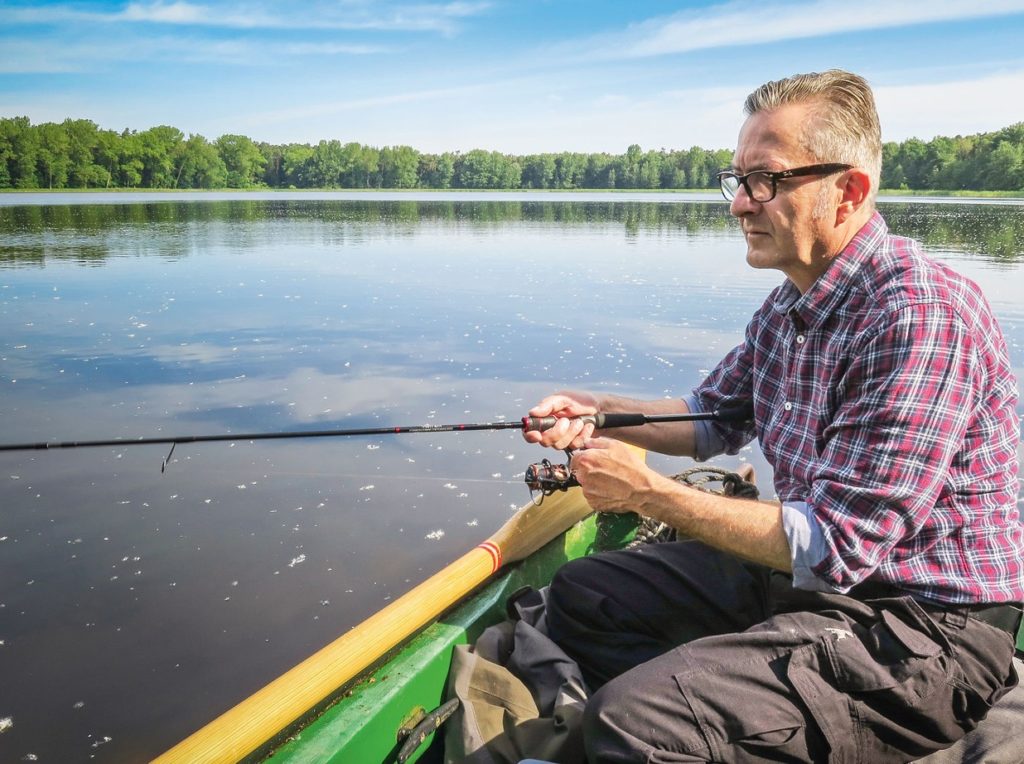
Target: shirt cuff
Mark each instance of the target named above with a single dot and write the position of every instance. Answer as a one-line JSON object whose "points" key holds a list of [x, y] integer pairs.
{"points": [[806, 544], [707, 441]]}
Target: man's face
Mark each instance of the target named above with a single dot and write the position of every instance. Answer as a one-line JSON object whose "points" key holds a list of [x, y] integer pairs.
{"points": [[792, 231]]}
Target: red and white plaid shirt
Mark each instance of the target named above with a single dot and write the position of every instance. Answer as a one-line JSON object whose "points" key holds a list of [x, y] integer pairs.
{"points": [[885, 402]]}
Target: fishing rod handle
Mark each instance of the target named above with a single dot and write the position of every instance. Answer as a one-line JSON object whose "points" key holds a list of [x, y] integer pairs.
{"points": [[599, 421], [733, 411]]}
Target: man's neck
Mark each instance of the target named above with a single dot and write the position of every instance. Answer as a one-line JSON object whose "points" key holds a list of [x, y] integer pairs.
{"points": [[805, 274]]}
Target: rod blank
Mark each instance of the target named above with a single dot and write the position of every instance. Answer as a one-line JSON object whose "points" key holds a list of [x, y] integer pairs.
{"points": [[116, 442], [726, 413]]}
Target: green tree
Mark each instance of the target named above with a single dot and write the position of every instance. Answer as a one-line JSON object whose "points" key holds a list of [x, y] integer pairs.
{"points": [[437, 170], [201, 165], [6, 155], [538, 171], [649, 175], [399, 166], [673, 172], [83, 139], [53, 156], [106, 154], [243, 160], [327, 164], [362, 166], [600, 171], [629, 167], [570, 170], [913, 157], [130, 165], [701, 165], [476, 169], [1003, 169], [892, 171], [159, 152], [19, 147], [295, 165], [941, 161], [487, 169]]}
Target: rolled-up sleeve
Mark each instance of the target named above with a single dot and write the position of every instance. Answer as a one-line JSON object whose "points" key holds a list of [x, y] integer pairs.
{"points": [[729, 384], [807, 545]]}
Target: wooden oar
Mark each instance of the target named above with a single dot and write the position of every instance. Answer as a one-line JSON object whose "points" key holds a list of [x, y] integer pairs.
{"points": [[264, 715]]}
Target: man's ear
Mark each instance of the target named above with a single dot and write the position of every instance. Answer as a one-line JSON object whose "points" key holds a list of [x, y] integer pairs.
{"points": [[856, 188]]}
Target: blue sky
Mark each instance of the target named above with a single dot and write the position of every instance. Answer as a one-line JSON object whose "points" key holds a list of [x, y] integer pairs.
{"points": [[517, 76]]}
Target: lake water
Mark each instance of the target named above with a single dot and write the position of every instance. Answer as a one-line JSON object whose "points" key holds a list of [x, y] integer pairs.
{"points": [[136, 605]]}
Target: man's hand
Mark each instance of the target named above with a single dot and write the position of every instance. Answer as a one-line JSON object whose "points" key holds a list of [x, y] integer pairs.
{"points": [[568, 432], [613, 477]]}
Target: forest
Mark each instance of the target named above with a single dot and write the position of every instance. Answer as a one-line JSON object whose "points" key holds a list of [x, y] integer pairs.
{"points": [[78, 154]]}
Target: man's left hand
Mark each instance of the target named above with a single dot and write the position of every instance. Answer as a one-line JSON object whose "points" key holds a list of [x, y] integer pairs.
{"points": [[613, 477]]}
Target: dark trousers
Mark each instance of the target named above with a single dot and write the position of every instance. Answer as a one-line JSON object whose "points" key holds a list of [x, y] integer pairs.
{"points": [[701, 657]]}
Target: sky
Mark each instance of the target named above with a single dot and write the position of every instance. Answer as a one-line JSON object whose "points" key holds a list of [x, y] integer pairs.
{"points": [[516, 76]]}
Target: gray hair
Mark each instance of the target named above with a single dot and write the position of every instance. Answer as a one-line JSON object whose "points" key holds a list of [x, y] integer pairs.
{"points": [[844, 125]]}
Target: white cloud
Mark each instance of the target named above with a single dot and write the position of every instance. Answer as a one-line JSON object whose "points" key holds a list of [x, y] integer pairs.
{"points": [[171, 13], [49, 56], [961, 107], [351, 15], [739, 23]]}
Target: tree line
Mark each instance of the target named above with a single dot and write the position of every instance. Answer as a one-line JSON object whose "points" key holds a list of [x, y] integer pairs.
{"points": [[76, 153]]}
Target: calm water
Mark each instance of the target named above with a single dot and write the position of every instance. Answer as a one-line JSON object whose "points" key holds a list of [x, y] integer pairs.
{"points": [[135, 605]]}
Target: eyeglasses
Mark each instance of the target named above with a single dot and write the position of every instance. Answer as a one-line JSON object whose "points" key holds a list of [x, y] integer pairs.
{"points": [[762, 185]]}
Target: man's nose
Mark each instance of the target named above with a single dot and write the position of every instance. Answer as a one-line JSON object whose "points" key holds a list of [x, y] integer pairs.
{"points": [[742, 204]]}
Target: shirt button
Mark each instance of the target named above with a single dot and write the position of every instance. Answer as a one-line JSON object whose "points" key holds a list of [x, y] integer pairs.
{"points": [[799, 339], [788, 406]]}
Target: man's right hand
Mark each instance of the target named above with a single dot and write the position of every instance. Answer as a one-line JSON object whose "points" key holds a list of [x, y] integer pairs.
{"points": [[569, 431]]}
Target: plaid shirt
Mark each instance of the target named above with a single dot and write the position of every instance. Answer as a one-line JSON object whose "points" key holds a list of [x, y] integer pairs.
{"points": [[885, 402]]}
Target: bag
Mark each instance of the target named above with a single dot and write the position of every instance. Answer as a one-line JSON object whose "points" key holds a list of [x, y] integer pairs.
{"points": [[520, 695]]}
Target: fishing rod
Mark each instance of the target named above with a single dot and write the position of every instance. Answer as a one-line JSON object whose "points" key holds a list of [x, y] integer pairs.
{"points": [[725, 413]]}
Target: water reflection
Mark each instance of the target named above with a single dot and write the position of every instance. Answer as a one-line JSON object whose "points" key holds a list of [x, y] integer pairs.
{"points": [[993, 232], [135, 606], [83, 232]]}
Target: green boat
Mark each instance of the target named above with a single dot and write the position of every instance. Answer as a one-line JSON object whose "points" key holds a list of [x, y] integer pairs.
{"points": [[361, 699]]}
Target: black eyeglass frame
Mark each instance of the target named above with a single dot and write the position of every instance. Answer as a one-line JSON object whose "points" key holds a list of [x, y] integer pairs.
{"points": [[741, 180]]}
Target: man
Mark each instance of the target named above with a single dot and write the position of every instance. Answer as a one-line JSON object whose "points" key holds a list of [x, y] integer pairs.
{"points": [[867, 615]]}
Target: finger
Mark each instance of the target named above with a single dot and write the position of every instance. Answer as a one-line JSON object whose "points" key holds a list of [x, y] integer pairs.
{"points": [[588, 430], [551, 405], [553, 437], [566, 433]]}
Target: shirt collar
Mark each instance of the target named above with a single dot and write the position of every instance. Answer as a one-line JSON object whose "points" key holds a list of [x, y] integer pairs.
{"points": [[814, 306]]}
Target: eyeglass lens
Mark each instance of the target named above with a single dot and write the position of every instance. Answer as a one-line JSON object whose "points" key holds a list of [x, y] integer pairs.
{"points": [[759, 185]]}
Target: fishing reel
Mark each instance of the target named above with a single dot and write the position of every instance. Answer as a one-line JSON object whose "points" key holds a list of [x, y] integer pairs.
{"points": [[547, 477]]}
